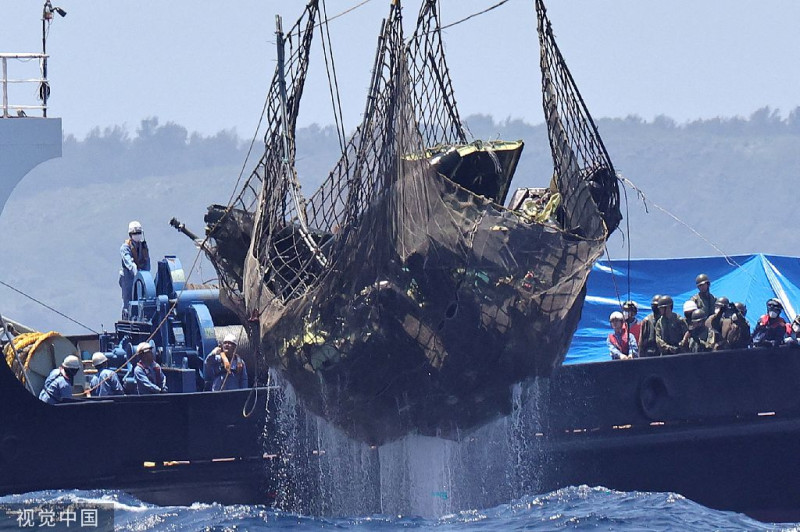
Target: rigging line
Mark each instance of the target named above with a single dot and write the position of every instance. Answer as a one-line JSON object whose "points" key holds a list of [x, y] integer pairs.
{"points": [[48, 307], [641, 194], [628, 233], [346, 11], [333, 83], [473, 15], [613, 277]]}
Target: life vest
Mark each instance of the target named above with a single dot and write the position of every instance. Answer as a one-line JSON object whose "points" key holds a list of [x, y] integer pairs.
{"points": [[635, 329], [622, 344], [144, 259]]}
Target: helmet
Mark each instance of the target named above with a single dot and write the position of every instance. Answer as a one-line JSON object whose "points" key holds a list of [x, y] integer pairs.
{"points": [[630, 305], [71, 362], [700, 279], [689, 306], [654, 301], [230, 338], [665, 301], [775, 303], [722, 302], [134, 227], [142, 347], [616, 315], [741, 307], [699, 315], [98, 359]]}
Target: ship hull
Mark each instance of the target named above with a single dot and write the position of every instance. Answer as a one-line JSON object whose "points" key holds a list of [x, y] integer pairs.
{"points": [[171, 449], [722, 429]]}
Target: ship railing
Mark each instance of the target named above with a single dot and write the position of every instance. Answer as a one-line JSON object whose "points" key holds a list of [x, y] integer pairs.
{"points": [[41, 81]]}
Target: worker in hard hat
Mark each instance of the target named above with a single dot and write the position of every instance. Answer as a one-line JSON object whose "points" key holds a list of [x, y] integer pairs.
{"points": [[135, 256], [224, 368], [147, 373], [621, 344], [58, 385], [105, 382]]}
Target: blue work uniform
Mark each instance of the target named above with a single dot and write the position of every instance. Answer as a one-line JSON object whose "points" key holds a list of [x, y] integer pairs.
{"points": [[216, 374], [57, 387], [106, 382], [135, 256], [149, 379]]}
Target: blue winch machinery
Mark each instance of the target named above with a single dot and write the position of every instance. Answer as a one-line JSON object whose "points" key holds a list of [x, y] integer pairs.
{"points": [[184, 322]]}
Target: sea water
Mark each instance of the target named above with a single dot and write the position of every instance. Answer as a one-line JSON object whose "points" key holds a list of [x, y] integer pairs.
{"points": [[570, 508]]}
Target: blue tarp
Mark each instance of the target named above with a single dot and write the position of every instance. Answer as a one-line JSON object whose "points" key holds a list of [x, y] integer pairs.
{"points": [[751, 279]]}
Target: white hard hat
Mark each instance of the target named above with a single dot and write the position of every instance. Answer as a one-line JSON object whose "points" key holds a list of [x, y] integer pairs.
{"points": [[616, 315], [689, 306], [144, 346], [134, 227], [230, 338], [71, 362], [98, 359]]}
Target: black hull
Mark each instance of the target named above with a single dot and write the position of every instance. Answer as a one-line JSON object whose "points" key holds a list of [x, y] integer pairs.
{"points": [[173, 449], [722, 429]]}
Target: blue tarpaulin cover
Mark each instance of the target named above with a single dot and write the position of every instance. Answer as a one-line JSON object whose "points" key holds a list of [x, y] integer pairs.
{"points": [[751, 279]]}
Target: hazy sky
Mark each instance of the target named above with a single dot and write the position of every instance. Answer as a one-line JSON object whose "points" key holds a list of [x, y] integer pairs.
{"points": [[206, 64]]}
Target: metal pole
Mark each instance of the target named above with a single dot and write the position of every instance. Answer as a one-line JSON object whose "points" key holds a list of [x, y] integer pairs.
{"points": [[43, 87], [3, 323], [5, 87]]}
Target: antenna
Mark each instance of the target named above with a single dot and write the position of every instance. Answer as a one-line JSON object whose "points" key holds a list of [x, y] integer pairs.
{"points": [[47, 17]]}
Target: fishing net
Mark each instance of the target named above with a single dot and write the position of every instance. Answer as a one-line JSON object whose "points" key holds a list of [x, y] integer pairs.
{"points": [[402, 296]]}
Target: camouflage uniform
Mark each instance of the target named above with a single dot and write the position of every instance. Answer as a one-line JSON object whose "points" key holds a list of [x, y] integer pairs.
{"points": [[647, 335], [705, 302], [670, 331]]}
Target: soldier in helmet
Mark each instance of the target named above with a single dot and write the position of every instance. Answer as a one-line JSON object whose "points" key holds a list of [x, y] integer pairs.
{"points": [[699, 338], [771, 330], [634, 326], [722, 309], [647, 333], [704, 299], [670, 329]]}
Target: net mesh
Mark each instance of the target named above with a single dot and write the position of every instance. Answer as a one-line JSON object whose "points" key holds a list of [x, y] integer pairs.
{"points": [[396, 297]]}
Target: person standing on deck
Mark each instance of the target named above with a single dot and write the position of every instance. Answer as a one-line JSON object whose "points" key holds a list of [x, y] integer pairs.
{"points": [[58, 386], [771, 329], [147, 373], [621, 343], [670, 329], [224, 369], [105, 382], [634, 326], [135, 256], [704, 299], [647, 334]]}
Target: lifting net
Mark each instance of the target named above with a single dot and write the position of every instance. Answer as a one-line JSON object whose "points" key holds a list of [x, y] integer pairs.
{"points": [[398, 297]]}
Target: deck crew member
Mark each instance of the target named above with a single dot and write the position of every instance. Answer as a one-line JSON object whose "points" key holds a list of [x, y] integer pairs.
{"points": [[670, 329], [699, 338], [688, 308], [105, 382], [634, 326], [794, 335], [722, 310], [647, 334], [147, 373], [704, 299], [135, 256], [771, 329], [224, 368], [58, 386], [621, 343]]}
